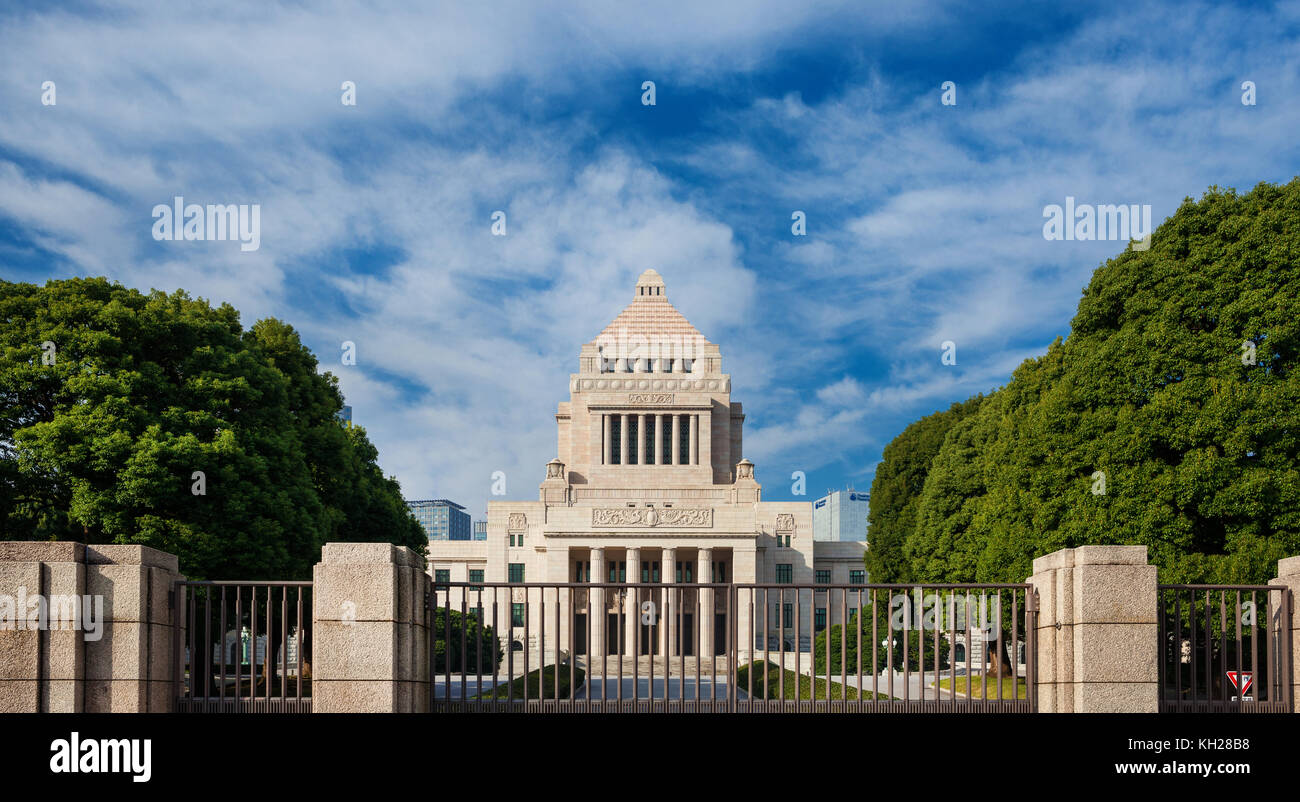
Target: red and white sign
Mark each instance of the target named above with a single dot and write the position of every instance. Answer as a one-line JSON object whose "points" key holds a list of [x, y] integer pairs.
{"points": [[1241, 680]]}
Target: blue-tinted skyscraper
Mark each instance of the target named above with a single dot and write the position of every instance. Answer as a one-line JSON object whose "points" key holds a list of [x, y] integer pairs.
{"points": [[841, 515], [442, 519]]}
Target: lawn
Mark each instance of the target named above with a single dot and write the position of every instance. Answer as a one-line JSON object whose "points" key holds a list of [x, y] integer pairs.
{"points": [[515, 688], [767, 684], [1020, 690]]}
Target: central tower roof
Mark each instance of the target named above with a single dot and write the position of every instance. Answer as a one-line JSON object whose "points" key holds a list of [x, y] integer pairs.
{"points": [[650, 314]]}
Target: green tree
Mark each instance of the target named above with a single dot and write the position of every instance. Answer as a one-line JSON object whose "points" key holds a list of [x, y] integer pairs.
{"points": [[886, 639], [157, 420], [896, 489], [1177, 388], [472, 657]]}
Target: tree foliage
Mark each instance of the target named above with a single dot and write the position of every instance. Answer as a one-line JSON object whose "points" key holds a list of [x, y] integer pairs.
{"points": [[1156, 394], [103, 445], [474, 657], [895, 643], [896, 489]]}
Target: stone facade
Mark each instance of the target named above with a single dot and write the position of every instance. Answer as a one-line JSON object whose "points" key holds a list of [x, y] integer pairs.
{"points": [[649, 474]]}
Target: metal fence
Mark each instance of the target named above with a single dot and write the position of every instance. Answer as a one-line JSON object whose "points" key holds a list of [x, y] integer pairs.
{"points": [[241, 645], [715, 647], [1225, 649]]}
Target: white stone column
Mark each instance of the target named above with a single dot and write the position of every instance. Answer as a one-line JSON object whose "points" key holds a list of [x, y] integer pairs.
{"points": [[633, 603], [640, 439], [695, 440], [677, 439], [744, 568], [668, 573], [660, 420], [622, 440], [599, 573], [703, 574], [608, 455]]}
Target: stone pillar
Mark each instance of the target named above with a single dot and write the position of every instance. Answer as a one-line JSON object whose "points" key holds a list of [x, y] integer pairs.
{"points": [[1097, 631], [119, 659], [668, 573], [640, 440], [371, 630], [622, 439], [744, 567], [599, 573], [660, 421], [695, 440], [632, 609], [704, 440], [703, 574], [1288, 574], [608, 456], [677, 439]]}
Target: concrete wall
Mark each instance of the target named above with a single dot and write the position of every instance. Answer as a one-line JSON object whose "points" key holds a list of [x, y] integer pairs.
{"points": [[1097, 631], [127, 668], [372, 630]]}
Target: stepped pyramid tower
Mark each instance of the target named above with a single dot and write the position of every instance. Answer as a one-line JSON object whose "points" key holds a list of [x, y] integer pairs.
{"points": [[649, 484]]}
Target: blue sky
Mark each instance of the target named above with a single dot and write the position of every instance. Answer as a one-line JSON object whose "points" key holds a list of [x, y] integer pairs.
{"points": [[924, 220]]}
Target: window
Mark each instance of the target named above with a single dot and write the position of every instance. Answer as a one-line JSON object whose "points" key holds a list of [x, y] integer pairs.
{"points": [[784, 573], [650, 440], [819, 619], [517, 614], [787, 541], [516, 572], [823, 577], [632, 456], [617, 571], [787, 614], [650, 571], [684, 566], [442, 576], [582, 571], [719, 572], [858, 577], [476, 575], [684, 441]]}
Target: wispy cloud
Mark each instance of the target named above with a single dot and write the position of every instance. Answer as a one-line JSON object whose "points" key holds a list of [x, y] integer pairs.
{"points": [[924, 221]]}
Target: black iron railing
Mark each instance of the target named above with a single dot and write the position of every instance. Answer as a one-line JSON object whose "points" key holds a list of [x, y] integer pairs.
{"points": [[712, 647], [241, 647], [1225, 648]]}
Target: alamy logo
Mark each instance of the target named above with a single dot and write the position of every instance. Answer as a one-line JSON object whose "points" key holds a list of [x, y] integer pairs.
{"points": [[216, 221], [1105, 222], [75, 755], [950, 612], [39, 612]]}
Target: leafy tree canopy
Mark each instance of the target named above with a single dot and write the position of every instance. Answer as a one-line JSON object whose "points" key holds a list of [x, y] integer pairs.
{"points": [[1169, 418], [896, 488], [111, 400]]}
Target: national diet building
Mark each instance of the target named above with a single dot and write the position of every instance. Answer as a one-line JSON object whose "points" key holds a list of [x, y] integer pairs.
{"points": [[649, 484]]}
